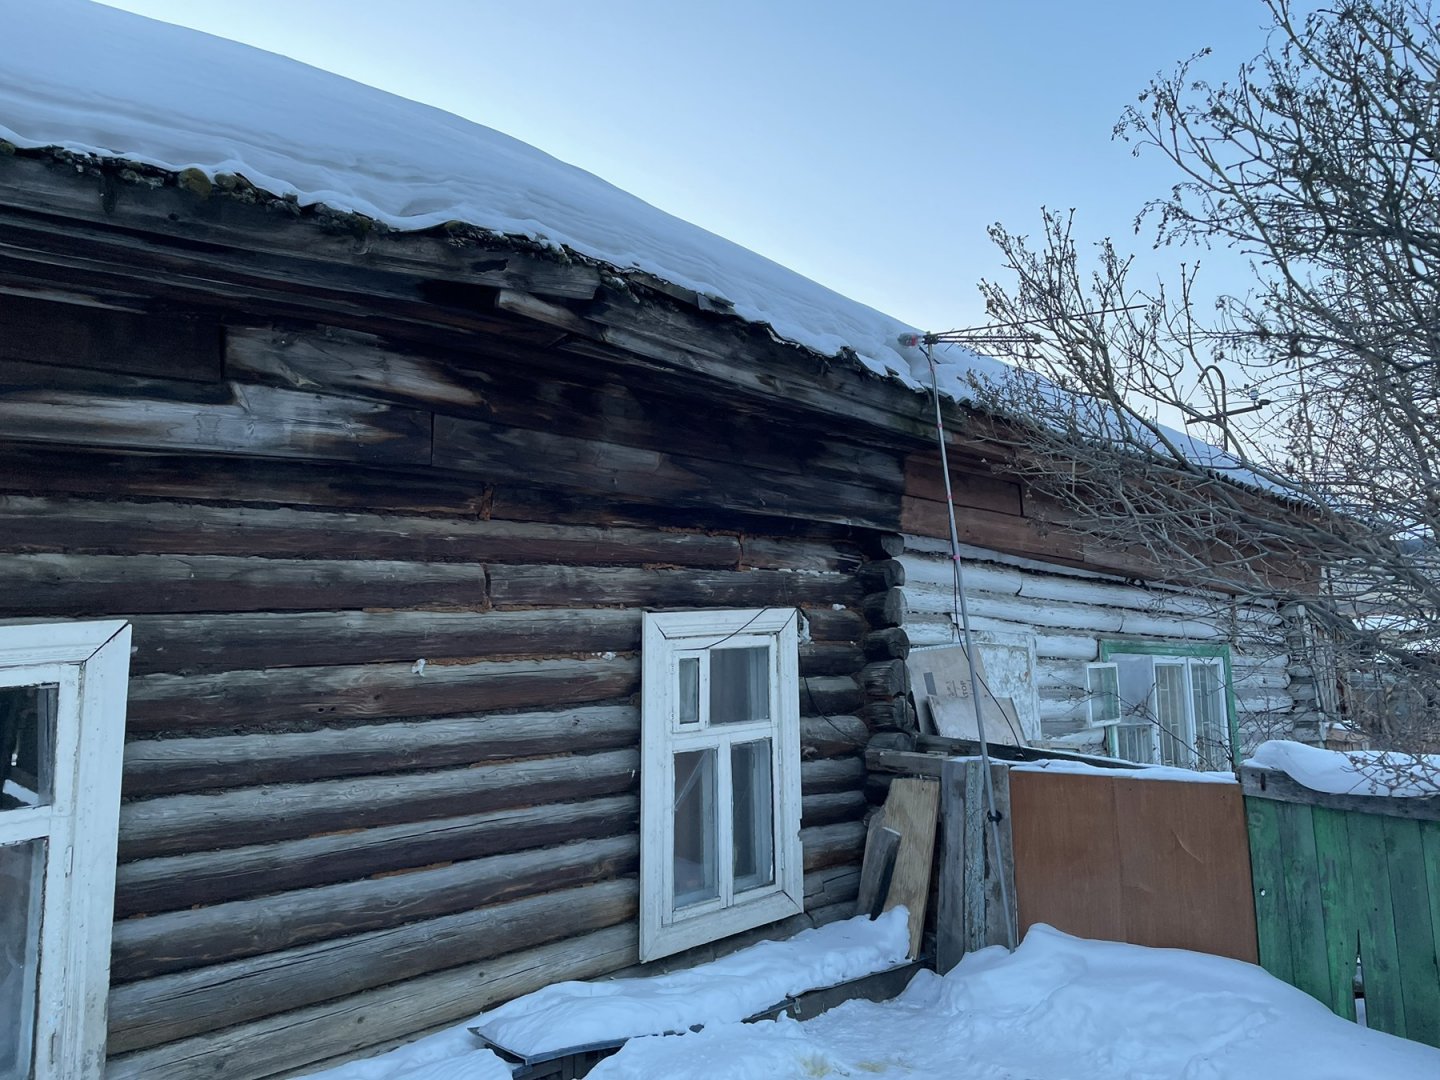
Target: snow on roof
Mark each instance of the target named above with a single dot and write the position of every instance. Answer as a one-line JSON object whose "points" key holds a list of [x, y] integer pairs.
{"points": [[91, 79]]}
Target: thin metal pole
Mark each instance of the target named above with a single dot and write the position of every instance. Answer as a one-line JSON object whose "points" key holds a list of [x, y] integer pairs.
{"points": [[962, 615]]}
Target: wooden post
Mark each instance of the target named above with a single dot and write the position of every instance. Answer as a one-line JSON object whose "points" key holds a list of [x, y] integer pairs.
{"points": [[970, 915]]}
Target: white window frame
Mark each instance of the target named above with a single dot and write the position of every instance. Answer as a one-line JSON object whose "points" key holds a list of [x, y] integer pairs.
{"points": [[668, 637], [1112, 718], [90, 662]]}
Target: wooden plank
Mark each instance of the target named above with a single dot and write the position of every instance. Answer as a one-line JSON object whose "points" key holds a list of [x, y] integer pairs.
{"points": [[1267, 871], [1304, 908], [175, 824], [975, 914], [882, 846], [256, 700], [912, 810], [168, 882], [168, 766], [554, 586], [194, 938], [44, 332], [260, 1048], [54, 405], [160, 1010], [1274, 784], [1342, 919], [971, 489], [1430, 860], [75, 526], [1000, 862], [950, 943], [1379, 951], [1415, 944], [105, 585]]}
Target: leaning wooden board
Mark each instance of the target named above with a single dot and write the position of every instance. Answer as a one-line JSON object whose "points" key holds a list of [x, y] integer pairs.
{"points": [[912, 810]]}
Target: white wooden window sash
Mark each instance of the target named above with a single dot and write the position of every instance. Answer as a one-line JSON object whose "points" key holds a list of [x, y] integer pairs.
{"points": [[88, 663], [673, 640], [1179, 718]]}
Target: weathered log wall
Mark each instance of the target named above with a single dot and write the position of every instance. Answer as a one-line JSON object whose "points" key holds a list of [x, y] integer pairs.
{"points": [[1067, 612], [324, 843]]}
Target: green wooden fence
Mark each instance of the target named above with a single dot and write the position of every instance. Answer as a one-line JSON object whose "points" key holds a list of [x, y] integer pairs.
{"points": [[1341, 877]]}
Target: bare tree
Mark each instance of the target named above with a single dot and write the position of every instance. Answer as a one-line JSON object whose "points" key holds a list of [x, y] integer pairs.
{"points": [[1320, 163]]}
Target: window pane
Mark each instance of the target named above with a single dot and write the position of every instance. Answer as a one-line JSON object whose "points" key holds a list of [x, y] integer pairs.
{"points": [[739, 685], [27, 741], [22, 871], [1135, 742], [1176, 738], [754, 862], [1210, 720], [696, 876], [1103, 683], [688, 694]]}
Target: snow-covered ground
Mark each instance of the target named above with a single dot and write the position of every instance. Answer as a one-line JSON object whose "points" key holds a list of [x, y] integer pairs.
{"points": [[1058, 1008]]}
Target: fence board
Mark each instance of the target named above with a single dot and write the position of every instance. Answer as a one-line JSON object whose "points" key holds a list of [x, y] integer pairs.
{"points": [[1384, 1006], [1414, 938], [1342, 919], [1266, 869], [1304, 910]]}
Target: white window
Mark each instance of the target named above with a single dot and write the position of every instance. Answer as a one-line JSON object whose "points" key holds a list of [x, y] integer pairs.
{"points": [[720, 779], [62, 723], [1162, 709]]}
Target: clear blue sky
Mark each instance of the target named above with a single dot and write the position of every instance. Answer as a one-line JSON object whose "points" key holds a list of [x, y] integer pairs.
{"points": [[864, 144]]}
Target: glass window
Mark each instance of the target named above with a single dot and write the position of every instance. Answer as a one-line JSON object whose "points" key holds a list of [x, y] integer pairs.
{"points": [[696, 877], [27, 745], [739, 685], [1173, 710], [21, 876], [752, 809]]}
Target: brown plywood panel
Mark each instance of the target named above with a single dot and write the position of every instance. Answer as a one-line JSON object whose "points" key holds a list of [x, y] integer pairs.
{"points": [[1158, 863], [1185, 862], [1067, 854]]}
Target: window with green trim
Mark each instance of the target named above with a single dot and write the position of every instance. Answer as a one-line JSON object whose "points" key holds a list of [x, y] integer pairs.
{"points": [[1164, 705]]}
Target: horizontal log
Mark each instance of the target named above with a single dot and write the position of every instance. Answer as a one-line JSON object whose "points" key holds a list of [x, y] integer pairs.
{"points": [[769, 553], [233, 641], [74, 585], [44, 403], [832, 736], [168, 882], [832, 807], [42, 332], [881, 574], [167, 766], [830, 695], [885, 679], [924, 479], [30, 524], [885, 609], [833, 845], [295, 696], [555, 586], [890, 643], [264, 1047], [834, 622], [192, 938], [831, 774], [174, 824], [169, 1007], [888, 714], [830, 658]]}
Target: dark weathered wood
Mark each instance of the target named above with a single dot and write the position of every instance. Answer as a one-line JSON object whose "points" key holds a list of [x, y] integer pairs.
{"points": [[881, 574], [197, 644], [830, 807], [1000, 903], [300, 696], [167, 766], [192, 938], [641, 474], [956, 837], [889, 714], [890, 643], [885, 679], [109, 585], [42, 332], [830, 623], [942, 744], [168, 882], [885, 609], [830, 658], [169, 1007], [569, 586], [973, 490], [263, 1047], [1274, 784], [881, 847], [175, 824], [833, 845], [76, 526], [58, 405], [832, 736], [830, 695], [768, 553], [831, 774]]}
